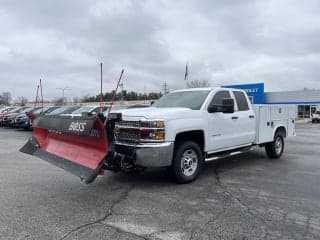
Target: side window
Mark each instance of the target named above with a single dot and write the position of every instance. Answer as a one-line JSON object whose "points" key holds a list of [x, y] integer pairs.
{"points": [[241, 101], [218, 97]]}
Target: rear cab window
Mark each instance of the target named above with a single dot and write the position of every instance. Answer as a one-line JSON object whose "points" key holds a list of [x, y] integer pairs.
{"points": [[241, 100]]}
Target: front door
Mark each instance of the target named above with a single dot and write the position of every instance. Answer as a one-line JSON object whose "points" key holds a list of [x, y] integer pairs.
{"points": [[222, 126]]}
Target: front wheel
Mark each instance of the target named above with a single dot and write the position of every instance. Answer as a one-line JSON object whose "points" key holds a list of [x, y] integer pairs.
{"points": [[275, 149], [187, 162]]}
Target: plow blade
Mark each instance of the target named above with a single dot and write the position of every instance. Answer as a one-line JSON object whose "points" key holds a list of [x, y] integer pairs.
{"points": [[79, 144]]}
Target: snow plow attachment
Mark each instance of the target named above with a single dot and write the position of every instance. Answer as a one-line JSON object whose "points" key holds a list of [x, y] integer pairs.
{"points": [[76, 144]]}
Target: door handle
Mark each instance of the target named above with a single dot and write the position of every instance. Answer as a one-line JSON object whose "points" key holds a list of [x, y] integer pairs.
{"points": [[251, 116], [234, 117]]}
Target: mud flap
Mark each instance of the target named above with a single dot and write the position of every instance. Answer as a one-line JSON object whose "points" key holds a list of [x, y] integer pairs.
{"points": [[78, 145]]}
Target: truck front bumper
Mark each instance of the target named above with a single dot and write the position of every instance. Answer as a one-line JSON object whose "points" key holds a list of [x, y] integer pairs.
{"points": [[148, 154]]}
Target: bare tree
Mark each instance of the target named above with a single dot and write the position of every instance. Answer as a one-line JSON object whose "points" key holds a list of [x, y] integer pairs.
{"points": [[198, 84], [59, 101], [5, 98], [76, 99]]}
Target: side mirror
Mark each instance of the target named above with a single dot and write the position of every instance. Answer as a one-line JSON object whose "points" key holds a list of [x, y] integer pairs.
{"points": [[228, 105]]}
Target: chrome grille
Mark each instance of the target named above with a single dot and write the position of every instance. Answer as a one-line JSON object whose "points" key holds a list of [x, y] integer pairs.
{"points": [[129, 123], [128, 135]]}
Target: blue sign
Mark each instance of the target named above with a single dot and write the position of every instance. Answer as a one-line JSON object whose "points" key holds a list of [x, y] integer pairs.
{"points": [[255, 91]]}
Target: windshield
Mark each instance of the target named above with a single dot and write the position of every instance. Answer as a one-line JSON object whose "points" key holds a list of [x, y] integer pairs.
{"points": [[58, 111], [26, 110], [188, 99], [7, 109], [83, 109], [64, 110], [45, 110]]}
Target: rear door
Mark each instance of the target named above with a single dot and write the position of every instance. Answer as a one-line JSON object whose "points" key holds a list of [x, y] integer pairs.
{"points": [[244, 119]]}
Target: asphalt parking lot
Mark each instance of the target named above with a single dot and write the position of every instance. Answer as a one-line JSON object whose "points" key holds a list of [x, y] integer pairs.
{"points": [[243, 197]]}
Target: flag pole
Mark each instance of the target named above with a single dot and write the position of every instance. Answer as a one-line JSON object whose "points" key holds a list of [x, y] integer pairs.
{"points": [[186, 74]]}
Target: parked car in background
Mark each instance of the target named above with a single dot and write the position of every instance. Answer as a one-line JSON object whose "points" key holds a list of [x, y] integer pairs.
{"points": [[316, 117], [46, 110], [63, 110], [93, 110], [4, 116], [22, 120], [6, 109], [9, 119]]}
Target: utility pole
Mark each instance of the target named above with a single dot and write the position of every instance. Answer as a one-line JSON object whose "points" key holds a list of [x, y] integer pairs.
{"points": [[165, 88], [63, 89]]}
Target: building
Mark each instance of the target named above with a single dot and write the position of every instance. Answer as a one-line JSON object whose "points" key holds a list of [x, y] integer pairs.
{"points": [[307, 101]]}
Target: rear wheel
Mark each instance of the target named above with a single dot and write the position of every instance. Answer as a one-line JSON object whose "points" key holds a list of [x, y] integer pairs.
{"points": [[187, 162], [275, 149]]}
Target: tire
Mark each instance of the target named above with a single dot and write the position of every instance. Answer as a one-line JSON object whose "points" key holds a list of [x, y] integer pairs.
{"points": [[275, 149], [187, 162], [313, 120]]}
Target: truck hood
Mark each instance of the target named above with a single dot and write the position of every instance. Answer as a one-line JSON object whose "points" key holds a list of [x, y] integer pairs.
{"points": [[137, 114]]}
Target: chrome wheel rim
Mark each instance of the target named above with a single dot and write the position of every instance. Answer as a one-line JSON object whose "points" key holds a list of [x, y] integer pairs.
{"points": [[189, 162], [278, 145]]}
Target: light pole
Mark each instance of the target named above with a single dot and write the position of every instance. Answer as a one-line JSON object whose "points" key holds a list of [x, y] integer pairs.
{"points": [[63, 89]]}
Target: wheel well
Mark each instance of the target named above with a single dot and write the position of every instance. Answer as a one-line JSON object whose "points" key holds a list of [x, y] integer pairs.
{"points": [[282, 131], [197, 136]]}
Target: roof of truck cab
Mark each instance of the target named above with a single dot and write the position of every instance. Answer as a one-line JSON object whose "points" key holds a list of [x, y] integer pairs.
{"points": [[194, 89], [205, 89]]}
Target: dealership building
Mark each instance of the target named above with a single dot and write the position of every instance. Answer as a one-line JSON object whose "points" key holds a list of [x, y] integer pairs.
{"points": [[307, 101]]}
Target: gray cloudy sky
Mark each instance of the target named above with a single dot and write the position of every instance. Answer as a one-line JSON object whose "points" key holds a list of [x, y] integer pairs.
{"points": [[225, 42]]}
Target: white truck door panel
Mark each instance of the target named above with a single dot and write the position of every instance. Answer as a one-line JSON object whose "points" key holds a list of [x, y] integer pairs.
{"points": [[245, 132], [245, 127], [222, 129], [263, 124]]}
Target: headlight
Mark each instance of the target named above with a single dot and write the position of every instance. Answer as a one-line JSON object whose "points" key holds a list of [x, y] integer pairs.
{"points": [[143, 131], [152, 130]]}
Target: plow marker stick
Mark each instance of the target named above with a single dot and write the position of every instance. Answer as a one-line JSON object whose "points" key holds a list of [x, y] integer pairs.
{"points": [[41, 94], [101, 96], [115, 93], [37, 96]]}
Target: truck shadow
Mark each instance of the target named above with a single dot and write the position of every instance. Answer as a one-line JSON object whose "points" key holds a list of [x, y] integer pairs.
{"points": [[161, 177]]}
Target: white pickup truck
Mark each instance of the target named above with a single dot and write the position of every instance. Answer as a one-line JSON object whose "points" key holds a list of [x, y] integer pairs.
{"points": [[186, 128]]}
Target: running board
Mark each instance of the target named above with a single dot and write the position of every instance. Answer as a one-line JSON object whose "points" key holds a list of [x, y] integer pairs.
{"points": [[224, 154]]}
